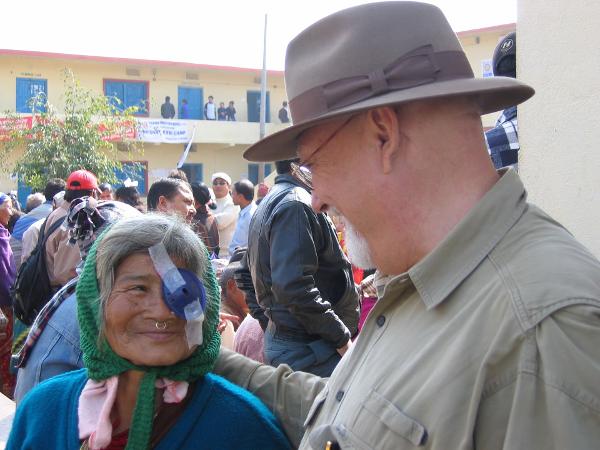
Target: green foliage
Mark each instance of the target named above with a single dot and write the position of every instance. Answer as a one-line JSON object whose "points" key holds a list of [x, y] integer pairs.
{"points": [[84, 136]]}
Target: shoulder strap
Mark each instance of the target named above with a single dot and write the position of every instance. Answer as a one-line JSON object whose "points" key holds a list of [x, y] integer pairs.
{"points": [[42, 233], [55, 226]]}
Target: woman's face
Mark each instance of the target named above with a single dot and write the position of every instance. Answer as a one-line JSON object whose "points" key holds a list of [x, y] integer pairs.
{"points": [[220, 187], [136, 315], [5, 211]]}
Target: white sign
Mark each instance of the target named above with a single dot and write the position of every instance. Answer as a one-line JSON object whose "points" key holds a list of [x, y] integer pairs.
{"points": [[487, 68], [164, 131]]}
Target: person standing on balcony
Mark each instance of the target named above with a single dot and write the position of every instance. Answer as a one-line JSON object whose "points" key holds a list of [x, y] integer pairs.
{"points": [[222, 112], [210, 109], [226, 213], [231, 111], [283, 113], [167, 110], [183, 110]]}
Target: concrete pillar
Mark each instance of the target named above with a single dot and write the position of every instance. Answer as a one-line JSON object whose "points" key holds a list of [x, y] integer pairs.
{"points": [[559, 128]]}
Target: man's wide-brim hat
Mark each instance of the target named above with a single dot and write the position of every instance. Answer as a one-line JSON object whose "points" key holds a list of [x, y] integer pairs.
{"points": [[379, 54]]}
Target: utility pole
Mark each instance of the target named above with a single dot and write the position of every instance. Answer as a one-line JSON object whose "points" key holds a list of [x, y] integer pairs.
{"points": [[263, 101]]}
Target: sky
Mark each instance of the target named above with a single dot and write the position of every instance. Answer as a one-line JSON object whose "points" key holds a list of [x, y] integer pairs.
{"points": [[216, 32]]}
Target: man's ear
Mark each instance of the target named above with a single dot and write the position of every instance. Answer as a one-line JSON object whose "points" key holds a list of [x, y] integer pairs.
{"points": [[163, 204], [383, 123]]}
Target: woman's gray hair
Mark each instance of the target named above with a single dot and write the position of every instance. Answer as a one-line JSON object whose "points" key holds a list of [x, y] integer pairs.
{"points": [[136, 235]]}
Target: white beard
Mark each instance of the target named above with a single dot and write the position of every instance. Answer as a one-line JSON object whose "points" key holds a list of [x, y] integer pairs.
{"points": [[356, 245]]}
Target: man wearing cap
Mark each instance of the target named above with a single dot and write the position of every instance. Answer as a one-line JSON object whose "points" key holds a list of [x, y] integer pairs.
{"points": [[485, 332], [503, 139], [61, 258], [226, 213]]}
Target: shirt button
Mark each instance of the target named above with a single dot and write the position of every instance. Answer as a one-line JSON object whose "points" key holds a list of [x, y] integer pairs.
{"points": [[339, 395], [380, 320]]}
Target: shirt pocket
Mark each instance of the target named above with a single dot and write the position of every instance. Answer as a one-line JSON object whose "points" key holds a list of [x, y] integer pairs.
{"points": [[382, 425]]}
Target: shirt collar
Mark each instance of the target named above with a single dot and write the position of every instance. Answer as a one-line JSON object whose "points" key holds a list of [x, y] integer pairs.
{"points": [[442, 270], [247, 209]]}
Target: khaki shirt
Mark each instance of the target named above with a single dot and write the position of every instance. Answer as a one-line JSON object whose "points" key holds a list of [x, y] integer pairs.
{"points": [[61, 257], [491, 341]]}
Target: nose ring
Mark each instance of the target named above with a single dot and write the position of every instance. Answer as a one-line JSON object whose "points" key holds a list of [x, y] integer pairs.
{"points": [[160, 325]]}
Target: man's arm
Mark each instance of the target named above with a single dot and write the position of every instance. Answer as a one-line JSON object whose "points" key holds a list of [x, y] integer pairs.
{"points": [[287, 393], [294, 262], [553, 401]]}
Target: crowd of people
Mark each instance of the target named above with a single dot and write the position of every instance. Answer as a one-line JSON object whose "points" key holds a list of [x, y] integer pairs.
{"points": [[428, 305]]}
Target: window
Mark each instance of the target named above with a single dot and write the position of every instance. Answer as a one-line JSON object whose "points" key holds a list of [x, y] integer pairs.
{"points": [[193, 172], [135, 171], [128, 93], [28, 88], [253, 171]]}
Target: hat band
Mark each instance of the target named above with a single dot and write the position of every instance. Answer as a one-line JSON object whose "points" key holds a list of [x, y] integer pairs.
{"points": [[415, 68]]}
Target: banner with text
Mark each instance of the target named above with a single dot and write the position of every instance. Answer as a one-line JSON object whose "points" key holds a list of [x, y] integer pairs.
{"points": [[9, 124], [164, 131]]}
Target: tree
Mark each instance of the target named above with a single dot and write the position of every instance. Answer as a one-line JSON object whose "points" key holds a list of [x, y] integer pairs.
{"points": [[91, 134]]}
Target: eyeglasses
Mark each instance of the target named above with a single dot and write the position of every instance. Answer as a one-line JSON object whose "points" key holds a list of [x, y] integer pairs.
{"points": [[301, 171], [305, 165], [219, 183]]}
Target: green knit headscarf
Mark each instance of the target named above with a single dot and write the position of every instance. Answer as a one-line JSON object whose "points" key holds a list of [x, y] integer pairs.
{"points": [[102, 363]]}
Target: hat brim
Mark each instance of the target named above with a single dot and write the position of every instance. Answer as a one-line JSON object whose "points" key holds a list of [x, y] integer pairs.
{"points": [[492, 94]]}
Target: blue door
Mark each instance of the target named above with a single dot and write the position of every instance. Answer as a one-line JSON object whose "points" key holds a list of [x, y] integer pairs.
{"points": [[135, 172], [28, 88], [22, 192], [253, 99], [136, 95], [195, 102]]}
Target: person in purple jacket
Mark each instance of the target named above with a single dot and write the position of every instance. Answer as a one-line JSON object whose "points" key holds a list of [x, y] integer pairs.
{"points": [[7, 277]]}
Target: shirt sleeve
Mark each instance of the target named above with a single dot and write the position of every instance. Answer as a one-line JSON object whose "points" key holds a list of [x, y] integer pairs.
{"points": [[553, 401], [287, 393]]}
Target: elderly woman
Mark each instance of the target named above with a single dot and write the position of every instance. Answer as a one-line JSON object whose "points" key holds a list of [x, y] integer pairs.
{"points": [[7, 277], [148, 307], [51, 347]]}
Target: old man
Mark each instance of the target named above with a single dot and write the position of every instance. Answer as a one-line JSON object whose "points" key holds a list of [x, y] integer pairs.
{"points": [[486, 330]]}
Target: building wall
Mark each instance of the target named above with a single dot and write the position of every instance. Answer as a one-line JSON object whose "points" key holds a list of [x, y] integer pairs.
{"points": [[224, 84], [560, 158], [219, 145]]}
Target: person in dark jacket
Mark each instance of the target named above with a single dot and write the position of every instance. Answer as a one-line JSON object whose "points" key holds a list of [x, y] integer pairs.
{"points": [[204, 223], [298, 282], [167, 109]]}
